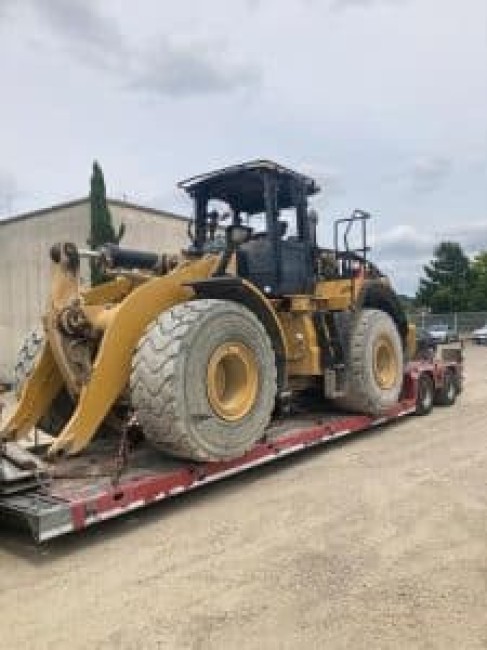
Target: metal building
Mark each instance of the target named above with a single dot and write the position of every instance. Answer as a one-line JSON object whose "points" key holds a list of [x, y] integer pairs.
{"points": [[25, 241]]}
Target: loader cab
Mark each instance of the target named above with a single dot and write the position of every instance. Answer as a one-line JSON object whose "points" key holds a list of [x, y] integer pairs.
{"points": [[262, 209]]}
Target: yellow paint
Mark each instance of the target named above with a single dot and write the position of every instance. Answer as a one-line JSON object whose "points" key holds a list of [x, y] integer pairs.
{"points": [[304, 353], [338, 294], [271, 309], [108, 292], [384, 362], [111, 368], [38, 392], [232, 381], [411, 344]]}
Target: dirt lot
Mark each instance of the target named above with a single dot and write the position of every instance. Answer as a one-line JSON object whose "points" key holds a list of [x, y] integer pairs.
{"points": [[377, 542]]}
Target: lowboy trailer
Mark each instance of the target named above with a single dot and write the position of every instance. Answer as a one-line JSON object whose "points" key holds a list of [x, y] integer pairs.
{"points": [[115, 476]]}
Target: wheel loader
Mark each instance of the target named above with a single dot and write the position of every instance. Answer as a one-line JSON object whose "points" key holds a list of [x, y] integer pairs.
{"points": [[204, 349]]}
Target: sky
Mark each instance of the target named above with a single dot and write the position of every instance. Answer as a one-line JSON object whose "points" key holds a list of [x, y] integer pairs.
{"points": [[384, 102]]}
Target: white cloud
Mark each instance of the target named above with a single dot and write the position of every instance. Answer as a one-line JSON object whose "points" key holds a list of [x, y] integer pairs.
{"points": [[342, 5], [189, 69], [8, 192], [403, 250], [430, 174], [184, 69]]}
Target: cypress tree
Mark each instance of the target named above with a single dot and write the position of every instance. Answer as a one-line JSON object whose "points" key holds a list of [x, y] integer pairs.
{"points": [[102, 230]]}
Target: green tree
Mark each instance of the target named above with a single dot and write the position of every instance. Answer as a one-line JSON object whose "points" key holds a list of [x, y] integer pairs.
{"points": [[478, 291], [407, 302], [446, 281], [102, 230]]}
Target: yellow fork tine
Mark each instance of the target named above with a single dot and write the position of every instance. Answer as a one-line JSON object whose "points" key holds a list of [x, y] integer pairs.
{"points": [[40, 389]]}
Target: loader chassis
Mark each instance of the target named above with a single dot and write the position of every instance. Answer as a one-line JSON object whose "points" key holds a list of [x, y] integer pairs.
{"points": [[323, 320]]}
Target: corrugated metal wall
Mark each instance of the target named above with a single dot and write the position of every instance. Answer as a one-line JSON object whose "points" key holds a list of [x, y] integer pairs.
{"points": [[24, 260]]}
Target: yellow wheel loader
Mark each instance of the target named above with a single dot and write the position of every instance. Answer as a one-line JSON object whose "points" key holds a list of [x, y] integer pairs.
{"points": [[202, 350]]}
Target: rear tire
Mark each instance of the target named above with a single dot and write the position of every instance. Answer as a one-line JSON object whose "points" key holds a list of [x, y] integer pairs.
{"points": [[426, 394], [447, 394], [203, 382], [61, 409], [374, 364]]}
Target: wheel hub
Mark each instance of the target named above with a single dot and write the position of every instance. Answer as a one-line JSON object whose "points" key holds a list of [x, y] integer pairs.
{"points": [[385, 364], [232, 381]]}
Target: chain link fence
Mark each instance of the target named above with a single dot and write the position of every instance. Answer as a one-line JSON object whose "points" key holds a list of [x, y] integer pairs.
{"points": [[462, 322]]}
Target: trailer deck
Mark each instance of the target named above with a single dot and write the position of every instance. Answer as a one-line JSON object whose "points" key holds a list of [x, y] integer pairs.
{"points": [[77, 492]]}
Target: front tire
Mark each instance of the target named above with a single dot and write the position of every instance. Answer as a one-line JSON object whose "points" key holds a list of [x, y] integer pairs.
{"points": [[61, 409], [203, 381]]}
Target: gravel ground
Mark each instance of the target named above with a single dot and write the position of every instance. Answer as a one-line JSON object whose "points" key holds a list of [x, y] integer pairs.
{"points": [[379, 541]]}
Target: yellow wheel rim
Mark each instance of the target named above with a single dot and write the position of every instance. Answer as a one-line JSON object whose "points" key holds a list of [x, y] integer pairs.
{"points": [[385, 363], [232, 381]]}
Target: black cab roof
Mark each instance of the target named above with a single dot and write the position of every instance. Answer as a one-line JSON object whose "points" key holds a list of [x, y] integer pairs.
{"points": [[241, 186]]}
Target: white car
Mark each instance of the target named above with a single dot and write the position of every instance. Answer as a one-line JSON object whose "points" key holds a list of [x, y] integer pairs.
{"points": [[442, 333], [480, 335]]}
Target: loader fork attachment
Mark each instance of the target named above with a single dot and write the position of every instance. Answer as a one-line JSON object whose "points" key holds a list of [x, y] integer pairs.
{"points": [[111, 368]]}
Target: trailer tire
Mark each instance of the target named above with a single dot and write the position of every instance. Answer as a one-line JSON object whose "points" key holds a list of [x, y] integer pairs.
{"points": [[203, 381], [447, 394], [374, 362], [61, 409], [426, 394]]}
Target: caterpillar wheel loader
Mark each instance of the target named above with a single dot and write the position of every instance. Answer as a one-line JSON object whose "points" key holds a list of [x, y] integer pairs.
{"points": [[203, 349]]}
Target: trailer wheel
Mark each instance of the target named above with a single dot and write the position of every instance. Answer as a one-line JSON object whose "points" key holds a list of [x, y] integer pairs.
{"points": [[203, 381], [62, 407], [374, 364], [426, 394], [447, 394]]}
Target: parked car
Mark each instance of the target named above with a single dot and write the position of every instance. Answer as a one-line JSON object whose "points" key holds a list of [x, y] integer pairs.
{"points": [[425, 344], [479, 336], [442, 333]]}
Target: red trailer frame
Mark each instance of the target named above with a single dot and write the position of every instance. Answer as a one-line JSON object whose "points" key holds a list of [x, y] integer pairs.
{"points": [[81, 491]]}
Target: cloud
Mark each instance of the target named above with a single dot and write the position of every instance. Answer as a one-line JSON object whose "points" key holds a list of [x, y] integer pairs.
{"points": [[8, 192], [84, 31], [342, 5], [403, 251], [329, 179], [423, 175], [188, 70], [403, 242], [168, 69], [406, 244], [429, 174], [5, 6]]}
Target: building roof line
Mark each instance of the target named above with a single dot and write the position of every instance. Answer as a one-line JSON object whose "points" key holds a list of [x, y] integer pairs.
{"points": [[75, 202]]}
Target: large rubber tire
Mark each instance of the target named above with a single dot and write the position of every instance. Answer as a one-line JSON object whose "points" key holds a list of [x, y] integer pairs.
{"points": [[61, 409], [169, 384], [364, 391]]}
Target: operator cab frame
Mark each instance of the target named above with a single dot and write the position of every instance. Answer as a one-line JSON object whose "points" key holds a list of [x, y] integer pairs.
{"points": [[276, 261]]}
